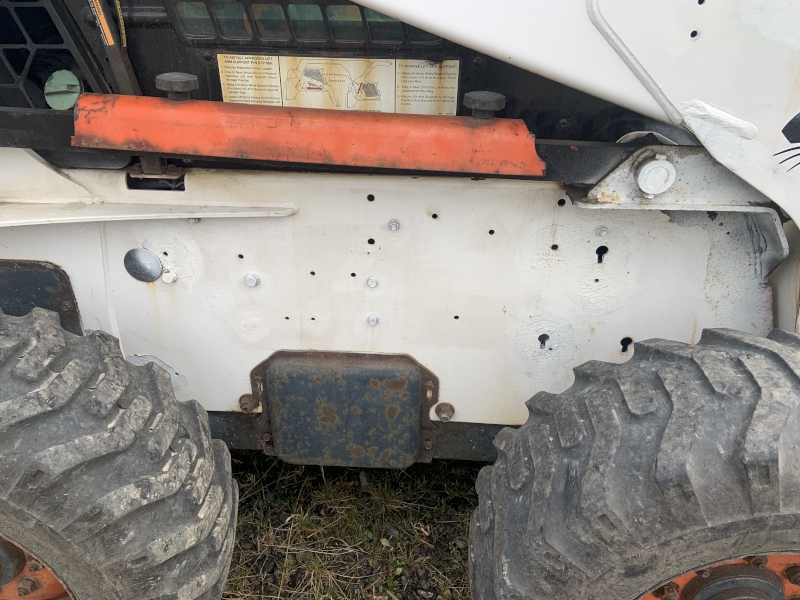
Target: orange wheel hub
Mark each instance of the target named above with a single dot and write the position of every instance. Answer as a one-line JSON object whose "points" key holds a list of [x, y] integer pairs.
{"points": [[765, 577], [31, 579]]}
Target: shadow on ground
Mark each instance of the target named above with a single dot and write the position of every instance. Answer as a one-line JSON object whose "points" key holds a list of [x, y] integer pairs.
{"points": [[336, 533]]}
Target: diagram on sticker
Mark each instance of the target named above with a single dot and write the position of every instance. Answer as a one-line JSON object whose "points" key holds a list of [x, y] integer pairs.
{"points": [[338, 83]]}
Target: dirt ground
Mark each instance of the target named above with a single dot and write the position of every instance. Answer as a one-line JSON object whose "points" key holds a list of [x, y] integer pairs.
{"points": [[335, 533]]}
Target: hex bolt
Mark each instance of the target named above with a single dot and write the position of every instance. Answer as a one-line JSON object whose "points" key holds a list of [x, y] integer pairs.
{"points": [[484, 104], [667, 591], [178, 86], [394, 224], [66, 305], [252, 280], [602, 231], [758, 561], [445, 411], [34, 566], [705, 573], [169, 276], [25, 587], [248, 403], [266, 438], [373, 320], [372, 282], [194, 220], [428, 444], [793, 574]]}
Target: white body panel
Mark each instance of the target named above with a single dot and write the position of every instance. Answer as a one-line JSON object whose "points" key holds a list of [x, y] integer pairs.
{"points": [[664, 275]]}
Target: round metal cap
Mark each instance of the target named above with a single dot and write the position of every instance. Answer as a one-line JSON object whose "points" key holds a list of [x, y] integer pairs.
{"points": [[177, 82], [373, 319], [656, 175], [61, 90], [485, 101], [142, 264]]}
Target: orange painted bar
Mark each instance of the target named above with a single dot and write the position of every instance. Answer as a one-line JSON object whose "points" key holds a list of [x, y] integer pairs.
{"points": [[309, 136]]}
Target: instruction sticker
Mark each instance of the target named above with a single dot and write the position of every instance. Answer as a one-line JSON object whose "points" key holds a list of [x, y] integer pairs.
{"points": [[418, 87]]}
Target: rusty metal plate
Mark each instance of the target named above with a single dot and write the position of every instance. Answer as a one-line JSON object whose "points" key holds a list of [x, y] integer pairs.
{"points": [[347, 409]]}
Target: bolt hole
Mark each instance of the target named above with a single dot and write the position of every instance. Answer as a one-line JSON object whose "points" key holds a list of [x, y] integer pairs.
{"points": [[352, 274], [562, 202], [694, 34], [701, 2], [241, 256], [491, 232], [370, 197], [313, 319], [625, 342], [370, 241], [554, 247], [313, 273], [287, 318], [456, 317], [543, 340], [601, 252], [165, 254], [434, 216], [597, 281]]}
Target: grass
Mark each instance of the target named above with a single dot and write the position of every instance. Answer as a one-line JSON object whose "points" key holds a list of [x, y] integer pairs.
{"points": [[335, 533]]}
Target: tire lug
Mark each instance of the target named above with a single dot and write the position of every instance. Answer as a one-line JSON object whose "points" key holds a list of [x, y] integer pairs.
{"points": [[757, 561], [793, 574], [25, 587], [668, 591]]}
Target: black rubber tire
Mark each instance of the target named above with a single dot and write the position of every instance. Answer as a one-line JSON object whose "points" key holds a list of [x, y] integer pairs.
{"points": [[105, 477], [682, 457]]}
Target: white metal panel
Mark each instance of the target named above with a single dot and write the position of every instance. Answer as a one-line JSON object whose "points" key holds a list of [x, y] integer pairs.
{"points": [[663, 276]]}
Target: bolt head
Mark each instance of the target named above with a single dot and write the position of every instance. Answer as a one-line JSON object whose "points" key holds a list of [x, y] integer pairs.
{"points": [[177, 82], [169, 276], [602, 231], [481, 100], [25, 587], [373, 320], [394, 224], [252, 280], [372, 282], [445, 411], [655, 175], [248, 403], [194, 220]]}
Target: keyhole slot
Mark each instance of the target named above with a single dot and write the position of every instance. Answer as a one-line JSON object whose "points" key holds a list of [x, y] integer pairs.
{"points": [[601, 252], [543, 340], [625, 342]]}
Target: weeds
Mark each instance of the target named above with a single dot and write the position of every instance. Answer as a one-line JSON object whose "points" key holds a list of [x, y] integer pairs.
{"points": [[335, 533]]}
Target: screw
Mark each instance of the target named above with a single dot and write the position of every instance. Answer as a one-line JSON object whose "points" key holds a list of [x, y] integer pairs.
{"points": [[445, 411], [25, 587], [248, 403], [373, 319], [372, 281], [169, 276], [394, 224], [602, 231], [428, 445], [793, 574], [758, 561], [66, 305], [193, 220], [252, 280]]}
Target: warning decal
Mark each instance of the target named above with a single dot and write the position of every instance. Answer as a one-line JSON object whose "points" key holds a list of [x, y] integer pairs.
{"points": [[376, 85]]}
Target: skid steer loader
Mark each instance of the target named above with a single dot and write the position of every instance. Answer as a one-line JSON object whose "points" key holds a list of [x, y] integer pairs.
{"points": [[383, 233]]}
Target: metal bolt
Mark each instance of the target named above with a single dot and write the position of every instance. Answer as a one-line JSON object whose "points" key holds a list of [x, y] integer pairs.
{"points": [[705, 573], [248, 403], [394, 224], [169, 276], [252, 280], [25, 587], [266, 438], [373, 319], [428, 445], [668, 591], [758, 561], [793, 574], [34, 566], [484, 104], [66, 305], [445, 411], [372, 281], [602, 231], [193, 220]]}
